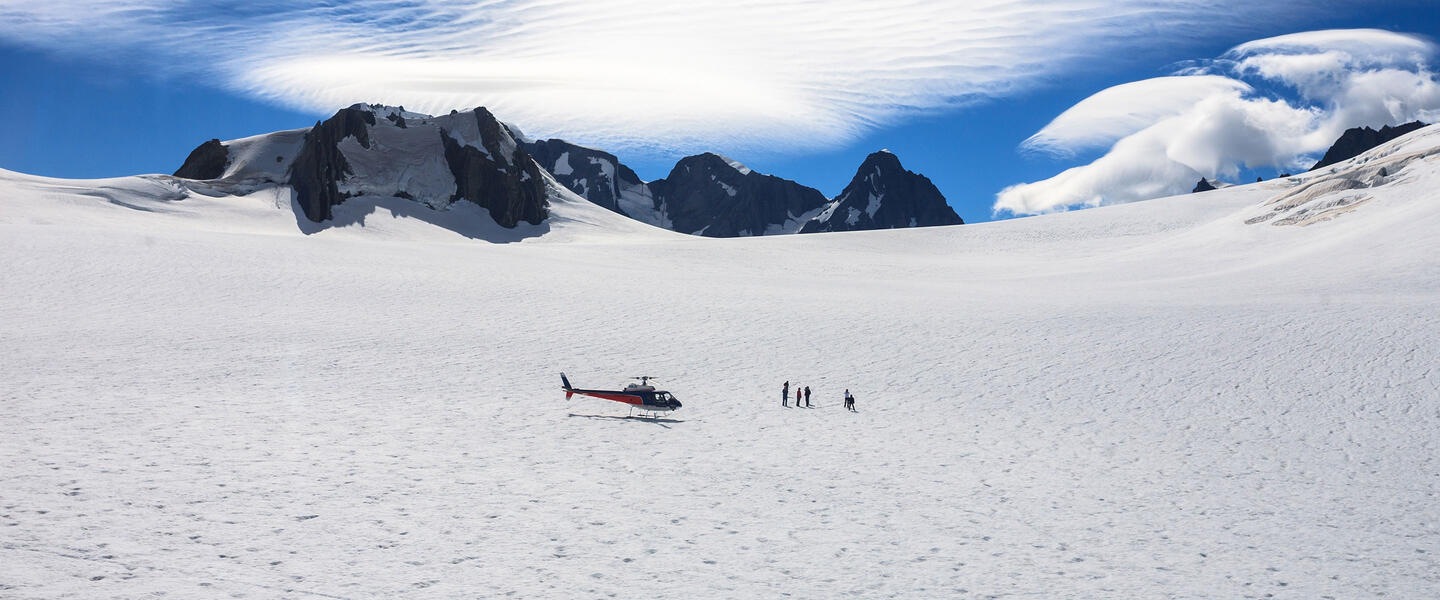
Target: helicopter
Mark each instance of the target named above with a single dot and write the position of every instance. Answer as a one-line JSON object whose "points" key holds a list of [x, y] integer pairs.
{"points": [[640, 396]]}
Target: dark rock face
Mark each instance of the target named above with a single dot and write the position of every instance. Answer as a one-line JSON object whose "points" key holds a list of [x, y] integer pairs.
{"points": [[1204, 186], [208, 161], [706, 195], [883, 195], [511, 187], [1356, 141], [585, 171], [710, 195], [320, 166]]}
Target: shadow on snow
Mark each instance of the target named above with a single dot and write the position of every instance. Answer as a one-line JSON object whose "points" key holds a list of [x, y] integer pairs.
{"points": [[463, 217], [656, 420]]}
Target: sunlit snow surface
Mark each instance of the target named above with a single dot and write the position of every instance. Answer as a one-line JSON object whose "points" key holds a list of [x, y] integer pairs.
{"points": [[1151, 400]]}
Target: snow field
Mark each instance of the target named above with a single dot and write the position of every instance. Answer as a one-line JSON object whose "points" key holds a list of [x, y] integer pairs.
{"points": [[1150, 400]]}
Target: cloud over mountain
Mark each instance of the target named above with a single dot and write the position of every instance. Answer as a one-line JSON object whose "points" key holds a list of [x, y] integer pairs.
{"points": [[1119, 111], [1273, 102]]}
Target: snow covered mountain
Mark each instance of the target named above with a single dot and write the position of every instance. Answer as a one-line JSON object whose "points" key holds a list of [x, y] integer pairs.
{"points": [[600, 177], [706, 194], [385, 152], [883, 195], [597, 176], [715, 196], [1359, 139], [711, 195], [380, 152]]}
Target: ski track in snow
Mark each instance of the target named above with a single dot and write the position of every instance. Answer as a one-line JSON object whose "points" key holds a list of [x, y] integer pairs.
{"points": [[1152, 400]]}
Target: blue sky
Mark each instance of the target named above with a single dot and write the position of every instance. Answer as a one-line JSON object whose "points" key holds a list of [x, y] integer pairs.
{"points": [[113, 102]]}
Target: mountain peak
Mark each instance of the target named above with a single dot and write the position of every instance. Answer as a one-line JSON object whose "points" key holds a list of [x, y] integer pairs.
{"points": [[1356, 140], [385, 111], [711, 160], [734, 164], [882, 158], [712, 195], [883, 195]]}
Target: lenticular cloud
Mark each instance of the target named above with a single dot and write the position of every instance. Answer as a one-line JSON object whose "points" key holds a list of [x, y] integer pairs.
{"points": [[1104, 118], [777, 74], [1166, 133]]}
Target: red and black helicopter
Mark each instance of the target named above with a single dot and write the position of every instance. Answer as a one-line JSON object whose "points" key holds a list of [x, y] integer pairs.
{"points": [[640, 396]]}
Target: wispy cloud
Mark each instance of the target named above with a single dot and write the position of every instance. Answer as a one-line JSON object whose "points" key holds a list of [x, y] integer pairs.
{"points": [[782, 74], [1303, 91]]}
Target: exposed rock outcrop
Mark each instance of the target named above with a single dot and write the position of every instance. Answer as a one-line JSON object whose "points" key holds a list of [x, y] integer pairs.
{"points": [[1356, 141], [470, 156], [207, 161], [1203, 185], [883, 195], [320, 166], [502, 178]]}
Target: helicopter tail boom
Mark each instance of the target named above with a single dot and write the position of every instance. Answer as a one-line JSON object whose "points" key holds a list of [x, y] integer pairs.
{"points": [[565, 382]]}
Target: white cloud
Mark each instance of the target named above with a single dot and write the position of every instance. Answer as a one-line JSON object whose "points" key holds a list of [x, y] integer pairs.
{"points": [[1124, 109], [1317, 62], [779, 74], [1173, 130], [1368, 46], [1211, 138]]}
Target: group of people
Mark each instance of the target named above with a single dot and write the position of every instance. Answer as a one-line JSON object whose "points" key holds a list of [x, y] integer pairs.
{"points": [[803, 393]]}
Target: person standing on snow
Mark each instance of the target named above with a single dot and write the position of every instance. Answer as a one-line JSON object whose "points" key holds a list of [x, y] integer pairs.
{"points": [[785, 395], [798, 391], [849, 401], [807, 397]]}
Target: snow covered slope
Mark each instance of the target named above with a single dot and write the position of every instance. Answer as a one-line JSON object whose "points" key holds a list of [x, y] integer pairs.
{"points": [[201, 400]]}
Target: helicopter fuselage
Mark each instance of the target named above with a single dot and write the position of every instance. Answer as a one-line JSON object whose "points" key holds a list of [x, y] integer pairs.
{"points": [[643, 397], [655, 400]]}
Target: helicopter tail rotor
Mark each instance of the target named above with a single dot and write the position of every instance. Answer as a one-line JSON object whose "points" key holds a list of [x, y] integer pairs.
{"points": [[565, 382]]}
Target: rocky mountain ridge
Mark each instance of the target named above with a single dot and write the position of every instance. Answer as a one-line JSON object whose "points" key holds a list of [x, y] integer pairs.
{"points": [[711, 195], [382, 151], [1356, 140]]}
